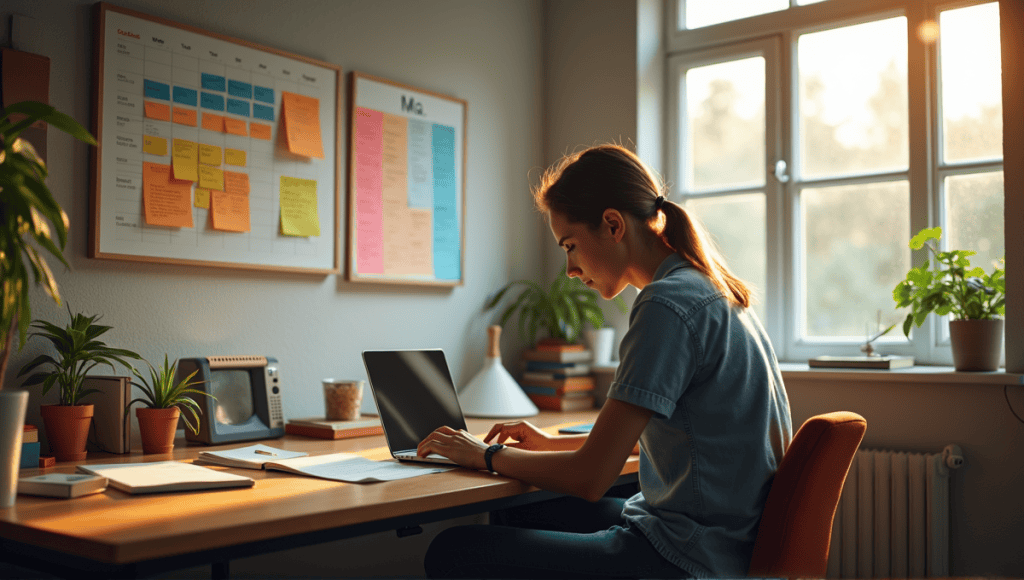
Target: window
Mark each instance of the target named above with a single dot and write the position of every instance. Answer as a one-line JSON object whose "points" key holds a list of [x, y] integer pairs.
{"points": [[814, 138]]}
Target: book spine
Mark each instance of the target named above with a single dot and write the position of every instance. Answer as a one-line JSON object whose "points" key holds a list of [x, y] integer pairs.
{"points": [[561, 403], [332, 433], [557, 356], [555, 392], [565, 385]]}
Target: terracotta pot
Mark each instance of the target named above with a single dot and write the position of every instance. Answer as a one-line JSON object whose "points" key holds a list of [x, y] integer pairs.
{"points": [[157, 428], [67, 429], [977, 344]]}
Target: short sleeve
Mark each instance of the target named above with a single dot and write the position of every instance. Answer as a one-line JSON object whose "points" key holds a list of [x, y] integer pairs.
{"points": [[658, 358]]}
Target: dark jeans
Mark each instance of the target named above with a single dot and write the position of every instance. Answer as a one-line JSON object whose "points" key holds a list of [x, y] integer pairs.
{"points": [[561, 538]]}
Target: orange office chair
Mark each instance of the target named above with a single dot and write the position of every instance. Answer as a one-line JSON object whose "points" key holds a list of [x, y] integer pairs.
{"points": [[796, 525]]}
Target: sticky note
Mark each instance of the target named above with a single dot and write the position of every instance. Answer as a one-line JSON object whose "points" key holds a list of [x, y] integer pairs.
{"points": [[263, 94], [157, 111], [213, 122], [211, 177], [165, 200], [209, 154], [212, 82], [299, 215], [202, 198], [185, 96], [262, 112], [236, 182], [185, 116], [260, 131], [154, 145], [211, 101], [301, 117], [229, 211], [239, 89], [186, 159], [156, 90], [234, 157], [235, 126]]}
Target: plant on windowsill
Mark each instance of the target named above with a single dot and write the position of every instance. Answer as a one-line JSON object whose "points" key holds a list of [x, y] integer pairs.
{"points": [[164, 399], [79, 351], [946, 284]]}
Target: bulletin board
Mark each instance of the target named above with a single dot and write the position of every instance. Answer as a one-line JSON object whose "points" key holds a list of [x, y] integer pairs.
{"points": [[212, 151], [406, 190]]}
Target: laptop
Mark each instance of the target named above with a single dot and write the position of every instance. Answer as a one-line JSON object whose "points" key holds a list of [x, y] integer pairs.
{"points": [[415, 395]]}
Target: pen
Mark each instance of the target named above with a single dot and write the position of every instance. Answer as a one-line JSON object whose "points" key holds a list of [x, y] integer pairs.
{"points": [[262, 452]]}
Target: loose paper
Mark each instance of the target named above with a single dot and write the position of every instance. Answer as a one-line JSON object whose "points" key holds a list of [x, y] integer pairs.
{"points": [[353, 468], [301, 117], [165, 200], [299, 215], [186, 160], [230, 211]]}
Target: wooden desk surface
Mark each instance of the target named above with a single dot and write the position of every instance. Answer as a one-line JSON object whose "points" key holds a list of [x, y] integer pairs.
{"points": [[114, 527]]}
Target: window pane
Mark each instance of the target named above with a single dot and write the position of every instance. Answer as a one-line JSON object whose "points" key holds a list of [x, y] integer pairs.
{"points": [[974, 217], [853, 99], [971, 90], [855, 251], [737, 226], [701, 13], [725, 112]]}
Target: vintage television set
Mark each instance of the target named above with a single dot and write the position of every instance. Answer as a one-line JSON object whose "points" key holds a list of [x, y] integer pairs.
{"points": [[248, 398]]}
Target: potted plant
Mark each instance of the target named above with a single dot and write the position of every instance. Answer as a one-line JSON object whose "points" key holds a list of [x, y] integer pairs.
{"points": [[947, 284], [561, 310], [32, 224], [79, 350], [164, 398]]}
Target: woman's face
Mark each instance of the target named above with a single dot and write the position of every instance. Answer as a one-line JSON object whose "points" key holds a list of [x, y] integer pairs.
{"points": [[594, 256]]}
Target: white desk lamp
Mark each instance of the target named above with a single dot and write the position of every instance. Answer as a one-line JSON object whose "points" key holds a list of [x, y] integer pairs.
{"points": [[493, 392]]}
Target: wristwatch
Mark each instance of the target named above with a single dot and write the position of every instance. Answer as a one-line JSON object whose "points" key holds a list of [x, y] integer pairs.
{"points": [[491, 451]]}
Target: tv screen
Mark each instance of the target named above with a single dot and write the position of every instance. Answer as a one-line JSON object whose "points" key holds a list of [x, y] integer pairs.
{"points": [[233, 390]]}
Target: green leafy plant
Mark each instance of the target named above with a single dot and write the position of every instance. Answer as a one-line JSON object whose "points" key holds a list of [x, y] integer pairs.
{"points": [[162, 391], [947, 284], [79, 350], [561, 310], [32, 223]]}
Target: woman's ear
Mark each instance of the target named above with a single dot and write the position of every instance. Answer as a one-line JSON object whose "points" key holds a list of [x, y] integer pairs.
{"points": [[613, 221]]}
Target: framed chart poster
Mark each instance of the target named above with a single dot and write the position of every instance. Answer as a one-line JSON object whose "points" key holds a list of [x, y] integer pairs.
{"points": [[212, 151], [406, 190]]}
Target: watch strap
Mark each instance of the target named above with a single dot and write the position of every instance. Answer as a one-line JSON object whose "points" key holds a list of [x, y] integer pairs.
{"points": [[490, 452]]}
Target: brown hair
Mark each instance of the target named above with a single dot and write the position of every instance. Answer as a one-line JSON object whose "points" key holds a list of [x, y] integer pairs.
{"points": [[583, 185]]}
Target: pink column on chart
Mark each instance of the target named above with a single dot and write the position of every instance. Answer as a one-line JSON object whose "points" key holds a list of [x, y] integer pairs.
{"points": [[369, 191]]}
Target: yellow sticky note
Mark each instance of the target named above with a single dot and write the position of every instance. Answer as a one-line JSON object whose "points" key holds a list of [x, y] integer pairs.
{"points": [[211, 178], [186, 159], [202, 198], [209, 154], [234, 157], [299, 215], [154, 145]]}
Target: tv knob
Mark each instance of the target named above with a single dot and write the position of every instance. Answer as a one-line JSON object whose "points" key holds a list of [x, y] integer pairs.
{"points": [[276, 390]]}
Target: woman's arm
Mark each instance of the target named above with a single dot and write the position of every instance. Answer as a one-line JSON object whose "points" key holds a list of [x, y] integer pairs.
{"points": [[586, 472]]}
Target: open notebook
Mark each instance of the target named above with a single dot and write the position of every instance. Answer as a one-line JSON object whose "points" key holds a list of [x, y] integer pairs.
{"points": [[161, 476]]}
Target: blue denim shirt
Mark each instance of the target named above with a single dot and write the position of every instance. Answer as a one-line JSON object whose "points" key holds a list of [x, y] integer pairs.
{"points": [[720, 426]]}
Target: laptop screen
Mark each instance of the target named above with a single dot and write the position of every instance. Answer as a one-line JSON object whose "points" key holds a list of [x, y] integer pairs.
{"points": [[414, 394]]}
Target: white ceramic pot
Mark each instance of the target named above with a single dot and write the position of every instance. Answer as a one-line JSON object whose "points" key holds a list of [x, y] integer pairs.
{"points": [[12, 423], [601, 342]]}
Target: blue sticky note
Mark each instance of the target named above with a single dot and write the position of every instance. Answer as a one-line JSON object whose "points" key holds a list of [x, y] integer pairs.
{"points": [[262, 112], [239, 89], [185, 96], [155, 90], [236, 107], [211, 101], [213, 82], [447, 263], [263, 94]]}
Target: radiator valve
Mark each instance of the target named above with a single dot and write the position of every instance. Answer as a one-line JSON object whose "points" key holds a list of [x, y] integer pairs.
{"points": [[953, 456]]}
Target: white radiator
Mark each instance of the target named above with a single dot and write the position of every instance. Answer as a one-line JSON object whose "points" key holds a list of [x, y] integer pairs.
{"points": [[893, 516]]}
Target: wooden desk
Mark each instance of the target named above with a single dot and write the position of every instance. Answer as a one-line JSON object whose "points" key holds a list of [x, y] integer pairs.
{"points": [[117, 534]]}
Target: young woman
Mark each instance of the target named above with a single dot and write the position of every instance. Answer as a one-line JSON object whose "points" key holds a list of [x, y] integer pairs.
{"points": [[698, 385]]}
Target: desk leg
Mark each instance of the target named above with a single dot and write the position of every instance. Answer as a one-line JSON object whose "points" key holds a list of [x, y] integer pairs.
{"points": [[221, 570]]}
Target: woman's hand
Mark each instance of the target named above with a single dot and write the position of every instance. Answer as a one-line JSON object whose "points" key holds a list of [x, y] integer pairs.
{"points": [[459, 446], [524, 434]]}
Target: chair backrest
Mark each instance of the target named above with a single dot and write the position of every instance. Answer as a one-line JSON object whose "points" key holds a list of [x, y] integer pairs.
{"points": [[796, 527]]}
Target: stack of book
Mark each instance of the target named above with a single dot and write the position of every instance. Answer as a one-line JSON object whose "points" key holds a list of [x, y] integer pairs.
{"points": [[326, 429], [557, 377]]}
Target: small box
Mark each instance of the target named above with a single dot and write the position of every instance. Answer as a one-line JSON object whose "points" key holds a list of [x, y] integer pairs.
{"points": [[29, 454], [65, 485], [47, 461]]}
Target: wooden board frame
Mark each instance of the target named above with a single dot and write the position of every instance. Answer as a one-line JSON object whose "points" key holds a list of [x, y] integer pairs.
{"points": [[328, 255], [414, 102]]}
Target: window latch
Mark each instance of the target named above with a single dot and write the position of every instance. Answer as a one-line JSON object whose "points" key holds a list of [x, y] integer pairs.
{"points": [[780, 171]]}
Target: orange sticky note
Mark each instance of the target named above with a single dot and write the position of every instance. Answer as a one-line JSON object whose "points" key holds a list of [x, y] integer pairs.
{"points": [[185, 116], [259, 131], [301, 118], [234, 157], [165, 200], [211, 177], [229, 211], [202, 198], [235, 126], [212, 122], [154, 145], [157, 111], [235, 182], [209, 154], [186, 159]]}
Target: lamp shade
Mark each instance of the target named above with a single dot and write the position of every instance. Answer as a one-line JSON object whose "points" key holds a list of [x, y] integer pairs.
{"points": [[493, 393]]}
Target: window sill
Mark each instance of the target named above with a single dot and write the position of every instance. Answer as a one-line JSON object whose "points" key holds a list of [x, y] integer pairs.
{"points": [[915, 374]]}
